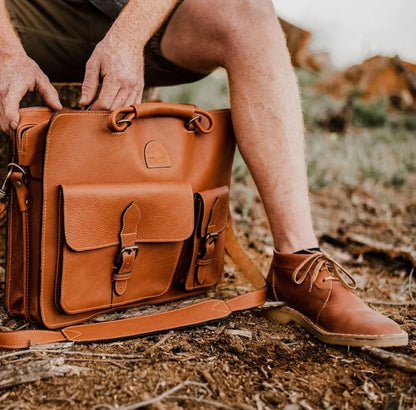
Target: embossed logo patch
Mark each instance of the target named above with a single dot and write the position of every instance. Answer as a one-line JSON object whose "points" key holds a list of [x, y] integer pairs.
{"points": [[156, 155]]}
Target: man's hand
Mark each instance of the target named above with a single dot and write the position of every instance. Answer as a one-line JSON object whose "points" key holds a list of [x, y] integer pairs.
{"points": [[117, 65], [117, 61], [18, 75]]}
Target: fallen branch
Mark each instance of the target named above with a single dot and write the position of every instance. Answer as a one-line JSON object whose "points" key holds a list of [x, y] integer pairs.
{"points": [[370, 245], [387, 303], [397, 360], [212, 403], [13, 375], [156, 399], [162, 340]]}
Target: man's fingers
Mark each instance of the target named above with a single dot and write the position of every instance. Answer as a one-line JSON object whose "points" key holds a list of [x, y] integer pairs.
{"points": [[121, 99], [108, 93], [10, 117], [131, 99], [91, 82], [48, 92]]}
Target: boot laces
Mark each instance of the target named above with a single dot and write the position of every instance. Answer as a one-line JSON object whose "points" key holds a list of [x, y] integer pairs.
{"points": [[313, 265]]}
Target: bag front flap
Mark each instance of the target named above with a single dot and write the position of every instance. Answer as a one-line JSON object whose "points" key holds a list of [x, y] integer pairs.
{"points": [[93, 213]]}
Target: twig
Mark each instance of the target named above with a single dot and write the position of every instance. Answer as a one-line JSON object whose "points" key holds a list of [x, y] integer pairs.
{"points": [[162, 340], [388, 303], [212, 403], [12, 375], [397, 360], [156, 399], [72, 353], [102, 355], [102, 360]]}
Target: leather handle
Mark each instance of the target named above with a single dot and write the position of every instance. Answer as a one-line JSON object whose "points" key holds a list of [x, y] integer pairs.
{"points": [[119, 120]]}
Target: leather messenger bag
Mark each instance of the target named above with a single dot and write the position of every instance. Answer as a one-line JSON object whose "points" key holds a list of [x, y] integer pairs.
{"points": [[108, 211]]}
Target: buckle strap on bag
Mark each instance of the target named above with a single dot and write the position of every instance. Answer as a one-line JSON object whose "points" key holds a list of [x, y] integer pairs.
{"points": [[208, 242], [13, 170], [128, 250], [199, 313]]}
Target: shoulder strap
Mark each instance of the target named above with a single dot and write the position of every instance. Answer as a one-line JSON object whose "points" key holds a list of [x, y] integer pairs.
{"points": [[203, 312]]}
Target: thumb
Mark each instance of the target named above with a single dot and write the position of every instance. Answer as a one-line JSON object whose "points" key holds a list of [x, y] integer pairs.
{"points": [[91, 82]]}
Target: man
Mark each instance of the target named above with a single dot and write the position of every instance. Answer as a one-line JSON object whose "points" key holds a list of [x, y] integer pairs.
{"points": [[125, 45]]}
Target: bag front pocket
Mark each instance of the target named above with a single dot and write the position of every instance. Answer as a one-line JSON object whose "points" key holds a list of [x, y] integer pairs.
{"points": [[120, 243], [202, 261]]}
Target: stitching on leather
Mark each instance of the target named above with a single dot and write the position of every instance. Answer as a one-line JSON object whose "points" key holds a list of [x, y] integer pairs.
{"points": [[355, 336], [222, 303], [189, 209], [274, 274], [27, 266], [132, 302], [44, 213], [72, 334], [325, 303], [58, 250], [9, 251]]}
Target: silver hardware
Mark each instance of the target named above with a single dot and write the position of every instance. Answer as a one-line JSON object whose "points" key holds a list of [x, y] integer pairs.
{"points": [[3, 189], [28, 202], [18, 183], [14, 165], [206, 240], [212, 235], [192, 120], [3, 196], [129, 250], [124, 121]]}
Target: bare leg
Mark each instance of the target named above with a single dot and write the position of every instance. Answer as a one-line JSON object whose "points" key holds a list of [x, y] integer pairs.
{"points": [[245, 37]]}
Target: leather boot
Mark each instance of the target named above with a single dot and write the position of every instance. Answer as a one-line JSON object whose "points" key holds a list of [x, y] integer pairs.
{"points": [[319, 296]]}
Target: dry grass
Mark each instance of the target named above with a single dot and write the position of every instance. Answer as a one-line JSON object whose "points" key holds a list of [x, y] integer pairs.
{"points": [[384, 153]]}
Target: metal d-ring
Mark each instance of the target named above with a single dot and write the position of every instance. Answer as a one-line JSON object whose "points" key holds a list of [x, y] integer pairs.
{"points": [[124, 121], [192, 120], [3, 189]]}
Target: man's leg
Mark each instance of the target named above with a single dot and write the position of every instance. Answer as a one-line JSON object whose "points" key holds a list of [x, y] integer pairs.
{"points": [[244, 37]]}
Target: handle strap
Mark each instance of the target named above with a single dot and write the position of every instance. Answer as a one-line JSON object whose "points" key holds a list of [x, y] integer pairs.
{"points": [[119, 120], [206, 311]]}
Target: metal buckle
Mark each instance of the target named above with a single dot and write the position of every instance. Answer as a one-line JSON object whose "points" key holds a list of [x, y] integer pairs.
{"points": [[205, 239], [212, 235], [129, 250]]}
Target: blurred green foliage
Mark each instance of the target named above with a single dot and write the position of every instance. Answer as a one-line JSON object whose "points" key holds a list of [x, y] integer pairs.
{"points": [[377, 146]]}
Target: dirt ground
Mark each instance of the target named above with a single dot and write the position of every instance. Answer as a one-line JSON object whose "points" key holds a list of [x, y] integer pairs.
{"points": [[248, 361]]}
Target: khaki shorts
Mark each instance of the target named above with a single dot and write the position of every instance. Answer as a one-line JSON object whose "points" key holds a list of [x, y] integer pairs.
{"points": [[60, 36]]}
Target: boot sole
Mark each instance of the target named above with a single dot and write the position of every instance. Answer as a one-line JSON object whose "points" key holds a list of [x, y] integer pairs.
{"points": [[286, 314]]}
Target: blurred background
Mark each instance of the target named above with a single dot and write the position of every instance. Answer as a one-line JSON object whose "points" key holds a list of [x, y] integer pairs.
{"points": [[354, 30], [356, 65]]}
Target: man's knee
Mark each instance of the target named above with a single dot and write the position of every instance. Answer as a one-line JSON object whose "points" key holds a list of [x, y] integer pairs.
{"points": [[217, 31], [236, 22]]}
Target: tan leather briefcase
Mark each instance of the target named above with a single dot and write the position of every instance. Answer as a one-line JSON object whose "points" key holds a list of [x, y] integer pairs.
{"points": [[114, 210]]}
